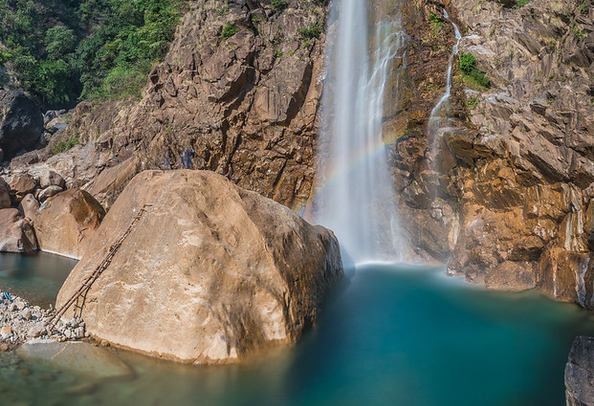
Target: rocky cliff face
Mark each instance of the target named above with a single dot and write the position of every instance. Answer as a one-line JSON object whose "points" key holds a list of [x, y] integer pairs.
{"points": [[238, 94], [502, 190], [510, 180]]}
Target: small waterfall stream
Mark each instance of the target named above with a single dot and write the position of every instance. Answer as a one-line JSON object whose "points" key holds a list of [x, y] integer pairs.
{"points": [[355, 196], [440, 110]]}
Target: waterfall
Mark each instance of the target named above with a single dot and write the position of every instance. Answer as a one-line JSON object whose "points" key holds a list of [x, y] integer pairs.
{"points": [[354, 195], [435, 119]]}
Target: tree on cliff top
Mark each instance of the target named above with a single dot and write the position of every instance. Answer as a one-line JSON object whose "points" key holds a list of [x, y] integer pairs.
{"points": [[65, 50]]}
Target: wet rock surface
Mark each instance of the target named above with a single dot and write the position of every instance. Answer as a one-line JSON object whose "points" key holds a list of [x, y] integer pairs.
{"points": [[229, 271]]}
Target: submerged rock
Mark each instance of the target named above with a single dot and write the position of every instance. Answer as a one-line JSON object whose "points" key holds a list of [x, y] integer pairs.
{"points": [[16, 233], [210, 273], [65, 222], [79, 357], [579, 373]]}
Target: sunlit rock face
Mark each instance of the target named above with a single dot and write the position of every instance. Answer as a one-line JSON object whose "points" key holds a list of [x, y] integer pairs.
{"points": [[503, 192], [66, 222], [250, 101], [209, 274]]}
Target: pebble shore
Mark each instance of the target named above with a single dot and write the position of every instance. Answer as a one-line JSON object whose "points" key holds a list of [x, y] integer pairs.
{"points": [[21, 322]]}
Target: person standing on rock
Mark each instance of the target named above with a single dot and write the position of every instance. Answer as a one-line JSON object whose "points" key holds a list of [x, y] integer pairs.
{"points": [[229, 172]]}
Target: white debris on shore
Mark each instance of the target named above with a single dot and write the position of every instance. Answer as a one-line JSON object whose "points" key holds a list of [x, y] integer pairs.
{"points": [[21, 322]]}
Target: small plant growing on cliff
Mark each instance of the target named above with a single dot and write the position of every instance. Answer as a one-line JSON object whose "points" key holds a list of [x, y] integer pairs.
{"points": [[473, 77], [436, 23], [310, 32], [229, 30], [279, 5], [521, 3], [62, 146]]}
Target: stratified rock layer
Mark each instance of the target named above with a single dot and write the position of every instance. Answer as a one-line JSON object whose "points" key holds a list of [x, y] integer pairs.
{"points": [[66, 222], [209, 273], [579, 373]]}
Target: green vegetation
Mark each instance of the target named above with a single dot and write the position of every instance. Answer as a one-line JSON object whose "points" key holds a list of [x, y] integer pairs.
{"points": [[472, 102], [229, 30], [279, 5], [521, 3], [310, 32], [473, 77], [436, 22], [64, 50], [62, 146], [278, 54]]}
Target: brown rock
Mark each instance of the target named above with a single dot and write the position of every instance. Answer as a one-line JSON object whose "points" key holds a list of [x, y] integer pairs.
{"points": [[66, 222], [16, 233], [210, 273], [51, 178], [21, 184], [48, 192], [29, 206]]}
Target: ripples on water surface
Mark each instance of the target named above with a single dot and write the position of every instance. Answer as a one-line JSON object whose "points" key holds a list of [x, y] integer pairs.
{"points": [[389, 335]]}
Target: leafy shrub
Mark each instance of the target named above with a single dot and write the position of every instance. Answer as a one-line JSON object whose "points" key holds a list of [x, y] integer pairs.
{"points": [[473, 77], [229, 30], [436, 23], [521, 3], [279, 5], [310, 32], [62, 146]]}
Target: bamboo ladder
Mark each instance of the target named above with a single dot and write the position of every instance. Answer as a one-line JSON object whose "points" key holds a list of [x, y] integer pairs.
{"points": [[82, 291]]}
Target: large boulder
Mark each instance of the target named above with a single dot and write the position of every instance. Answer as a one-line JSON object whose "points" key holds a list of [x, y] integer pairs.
{"points": [[16, 233], [579, 373], [21, 122], [29, 206], [66, 222], [208, 274]]}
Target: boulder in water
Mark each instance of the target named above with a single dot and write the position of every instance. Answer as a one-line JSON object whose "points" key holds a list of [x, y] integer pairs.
{"points": [[210, 273], [16, 233], [66, 221], [579, 370]]}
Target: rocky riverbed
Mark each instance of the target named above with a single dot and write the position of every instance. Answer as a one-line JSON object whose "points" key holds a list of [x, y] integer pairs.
{"points": [[21, 322]]}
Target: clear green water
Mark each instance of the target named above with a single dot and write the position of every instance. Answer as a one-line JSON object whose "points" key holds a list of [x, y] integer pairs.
{"points": [[36, 277], [389, 335]]}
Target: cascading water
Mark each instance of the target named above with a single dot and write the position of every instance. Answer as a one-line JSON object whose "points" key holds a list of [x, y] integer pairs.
{"points": [[355, 196], [437, 114]]}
